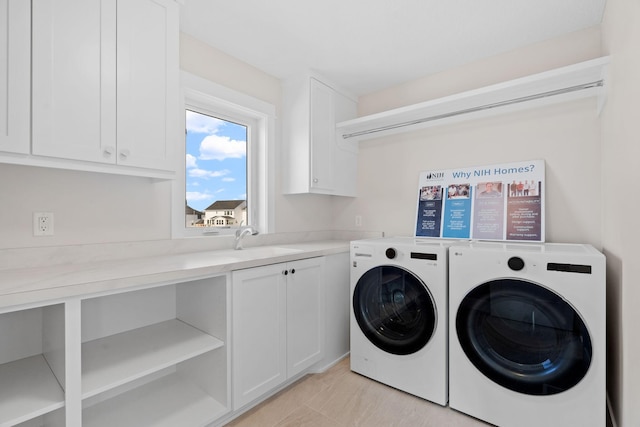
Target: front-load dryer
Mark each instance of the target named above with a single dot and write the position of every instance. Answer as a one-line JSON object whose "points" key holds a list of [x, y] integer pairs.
{"points": [[527, 334], [399, 314]]}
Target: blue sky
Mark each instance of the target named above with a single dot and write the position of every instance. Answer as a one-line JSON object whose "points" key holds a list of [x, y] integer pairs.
{"points": [[216, 160]]}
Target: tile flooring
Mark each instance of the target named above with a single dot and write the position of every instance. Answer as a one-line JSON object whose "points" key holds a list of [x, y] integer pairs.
{"points": [[341, 398]]}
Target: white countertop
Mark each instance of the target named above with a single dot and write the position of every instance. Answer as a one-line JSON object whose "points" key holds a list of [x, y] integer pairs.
{"points": [[50, 283]]}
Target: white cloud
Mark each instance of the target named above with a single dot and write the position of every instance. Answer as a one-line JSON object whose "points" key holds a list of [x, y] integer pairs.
{"points": [[217, 147], [228, 179], [195, 196], [206, 174], [191, 162], [199, 123]]}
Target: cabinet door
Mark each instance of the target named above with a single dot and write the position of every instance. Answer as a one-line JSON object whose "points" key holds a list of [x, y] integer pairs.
{"points": [[74, 82], [338, 307], [323, 126], [259, 332], [15, 29], [346, 159], [305, 314], [103, 89], [147, 83], [315, 160]]}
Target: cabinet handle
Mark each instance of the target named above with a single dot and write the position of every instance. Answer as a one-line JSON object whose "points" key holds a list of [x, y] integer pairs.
{"points": [[285, 272], [315, 180], [293, 270], [124, 154], [108, 151]]}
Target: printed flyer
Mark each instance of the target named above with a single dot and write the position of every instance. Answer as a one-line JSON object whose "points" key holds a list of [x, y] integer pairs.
{"points": [[496, 202]]}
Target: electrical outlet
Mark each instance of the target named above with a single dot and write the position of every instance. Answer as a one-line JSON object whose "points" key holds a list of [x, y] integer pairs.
{"points": [[43, 223], [358, 220]]}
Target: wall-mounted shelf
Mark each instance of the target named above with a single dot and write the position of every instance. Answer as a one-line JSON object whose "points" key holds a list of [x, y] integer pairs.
{"points": [[582, 80]]}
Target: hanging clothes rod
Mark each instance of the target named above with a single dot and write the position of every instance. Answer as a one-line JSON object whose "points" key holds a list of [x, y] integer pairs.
{"points": [[598, 83]]}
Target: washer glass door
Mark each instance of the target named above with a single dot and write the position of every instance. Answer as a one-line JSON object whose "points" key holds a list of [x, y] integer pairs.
{"points": [[394, 309], [523, 337]]}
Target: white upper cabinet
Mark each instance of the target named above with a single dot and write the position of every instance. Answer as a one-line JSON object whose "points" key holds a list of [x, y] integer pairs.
{"points": [[15, 39], [148, 79], [74, 87], [315, 160], [105, 81]]}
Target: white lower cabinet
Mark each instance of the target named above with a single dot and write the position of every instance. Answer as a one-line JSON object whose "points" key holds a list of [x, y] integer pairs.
{"points": [[156, 357], [161, 355], [305, 314], [278, 325], [338, 307]]}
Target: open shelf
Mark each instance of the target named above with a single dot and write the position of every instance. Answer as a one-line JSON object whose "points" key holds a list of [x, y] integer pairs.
{"points": [[582, 80], [167, 402], [28, 389], [121, 358]]}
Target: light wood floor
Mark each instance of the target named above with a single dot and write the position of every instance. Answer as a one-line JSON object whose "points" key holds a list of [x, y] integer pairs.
{"points": [[341, 398]]}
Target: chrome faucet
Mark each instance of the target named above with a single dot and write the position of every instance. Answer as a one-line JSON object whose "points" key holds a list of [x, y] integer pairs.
{"points": [[241, 232]]}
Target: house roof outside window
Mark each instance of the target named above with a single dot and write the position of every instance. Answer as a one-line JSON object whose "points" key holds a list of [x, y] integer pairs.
{"points": [[224, 205]]}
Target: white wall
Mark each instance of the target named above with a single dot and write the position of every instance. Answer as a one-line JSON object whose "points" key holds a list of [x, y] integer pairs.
{"points": [[568, 49], [621, 174], [202, 60], [87, 207], [566, 136]]}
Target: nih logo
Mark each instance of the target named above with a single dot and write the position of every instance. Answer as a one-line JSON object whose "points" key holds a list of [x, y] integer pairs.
{"points": [[430, 176]]}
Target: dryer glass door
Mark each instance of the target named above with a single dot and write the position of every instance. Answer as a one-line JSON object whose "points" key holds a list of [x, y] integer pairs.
{"points": [[523, 337], [394, 309]]}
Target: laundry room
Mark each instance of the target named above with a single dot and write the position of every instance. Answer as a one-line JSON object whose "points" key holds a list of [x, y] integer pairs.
{"points": [[579, 145], [103, 214]]}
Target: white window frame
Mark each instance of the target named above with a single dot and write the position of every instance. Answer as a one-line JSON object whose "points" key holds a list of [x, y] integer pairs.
{"points": [[211, 98]]}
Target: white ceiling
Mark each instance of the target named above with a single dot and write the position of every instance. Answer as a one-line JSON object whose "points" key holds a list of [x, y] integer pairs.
{"points": [[369, 45]]}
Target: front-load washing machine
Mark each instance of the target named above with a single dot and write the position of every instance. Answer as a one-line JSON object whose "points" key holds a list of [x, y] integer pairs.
{"points": [[399, 314], [527, 334]]}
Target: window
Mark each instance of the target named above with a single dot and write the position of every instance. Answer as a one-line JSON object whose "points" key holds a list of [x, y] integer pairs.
{"points": [[223, 181], [215, 169]]}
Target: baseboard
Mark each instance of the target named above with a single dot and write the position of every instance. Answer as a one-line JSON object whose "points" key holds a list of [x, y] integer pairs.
{"points": [[323, 368]]}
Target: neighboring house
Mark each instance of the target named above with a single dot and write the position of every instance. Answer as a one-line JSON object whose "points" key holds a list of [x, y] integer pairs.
{"points": [[226, 213], [193, 217]]}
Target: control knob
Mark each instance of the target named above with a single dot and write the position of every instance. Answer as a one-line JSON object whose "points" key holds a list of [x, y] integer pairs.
{"points": [[391, 253]]}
